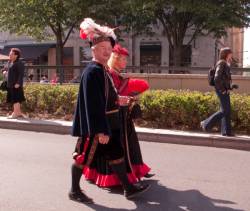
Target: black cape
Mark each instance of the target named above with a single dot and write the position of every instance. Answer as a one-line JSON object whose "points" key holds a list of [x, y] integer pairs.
{"points": [[90, 117]]}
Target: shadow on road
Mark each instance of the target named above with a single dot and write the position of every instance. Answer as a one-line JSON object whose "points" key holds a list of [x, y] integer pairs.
{"points": [[160, 197]]}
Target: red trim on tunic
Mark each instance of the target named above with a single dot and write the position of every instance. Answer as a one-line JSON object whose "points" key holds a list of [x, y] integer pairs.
{"points": [[80, 158], [111, 179], [140, 170]]}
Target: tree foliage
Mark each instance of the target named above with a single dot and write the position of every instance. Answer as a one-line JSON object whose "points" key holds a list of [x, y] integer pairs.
{"points": [[56, 19], [43, 19], [178, 18]]}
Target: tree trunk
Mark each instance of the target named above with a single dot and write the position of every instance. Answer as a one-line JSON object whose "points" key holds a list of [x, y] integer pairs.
{"points": [[59, 57], [177, 54]]}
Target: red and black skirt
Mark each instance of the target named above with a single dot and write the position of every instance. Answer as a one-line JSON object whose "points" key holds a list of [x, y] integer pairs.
{"points": [[95, 157]]}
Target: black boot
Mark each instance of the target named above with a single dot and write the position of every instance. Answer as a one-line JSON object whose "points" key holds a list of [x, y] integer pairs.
{"points": [[76, 194], [148, 175], [130, 190]]}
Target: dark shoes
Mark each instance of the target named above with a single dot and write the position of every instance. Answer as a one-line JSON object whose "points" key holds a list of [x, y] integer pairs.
{"points": [[135, 190], [229, 135], [149, 175], [80, 197]]}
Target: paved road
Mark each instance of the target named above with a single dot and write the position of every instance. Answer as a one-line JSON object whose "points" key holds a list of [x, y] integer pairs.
{"points": [[35, 176]]}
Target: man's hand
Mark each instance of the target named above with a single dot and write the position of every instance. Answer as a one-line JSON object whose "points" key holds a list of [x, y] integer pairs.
{"points": [[103, 139], [17, 86]]}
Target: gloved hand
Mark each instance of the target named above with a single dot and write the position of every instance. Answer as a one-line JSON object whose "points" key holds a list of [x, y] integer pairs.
{"points": [[235, 86]]}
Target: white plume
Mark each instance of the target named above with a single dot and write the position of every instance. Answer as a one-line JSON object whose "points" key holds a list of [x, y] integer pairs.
{"points": [[92, 29]]}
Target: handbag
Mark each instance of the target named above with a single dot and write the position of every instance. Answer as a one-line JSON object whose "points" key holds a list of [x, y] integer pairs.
{"points": [[136, 112], [3, 86]]}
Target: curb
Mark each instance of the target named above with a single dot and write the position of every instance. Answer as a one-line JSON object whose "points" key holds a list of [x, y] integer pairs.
{"points": [[238, 143], [144, 134], [46, 126]]}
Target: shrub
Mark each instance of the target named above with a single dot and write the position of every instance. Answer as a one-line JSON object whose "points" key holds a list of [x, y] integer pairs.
{"points": [[54, 99], [163, 109], [185, 109], [2, 97], [46, 98]]}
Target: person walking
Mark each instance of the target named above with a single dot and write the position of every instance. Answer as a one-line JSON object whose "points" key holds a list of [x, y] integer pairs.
{"points": [[102, 175], [223, 86], [132, 88], [96, 120], [15, 72]]}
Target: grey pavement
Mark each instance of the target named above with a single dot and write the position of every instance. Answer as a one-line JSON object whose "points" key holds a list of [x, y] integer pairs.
{"points": [[145, 134], [35, 176]]}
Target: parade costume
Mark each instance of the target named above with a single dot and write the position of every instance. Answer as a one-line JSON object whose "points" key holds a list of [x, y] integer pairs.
{"points": [[130, 87], [102, 175], [97, 112]]}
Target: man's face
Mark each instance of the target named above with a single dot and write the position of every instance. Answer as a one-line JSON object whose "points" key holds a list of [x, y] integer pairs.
{"points": [[102, 51], [12, 56]]}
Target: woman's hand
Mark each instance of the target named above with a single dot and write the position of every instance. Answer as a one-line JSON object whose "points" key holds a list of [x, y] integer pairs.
{"points": [[17, 86], [124, 100]]}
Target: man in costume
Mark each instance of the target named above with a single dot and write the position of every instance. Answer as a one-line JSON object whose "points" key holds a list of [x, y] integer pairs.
{"points": [[100, 172], [96, 120]]}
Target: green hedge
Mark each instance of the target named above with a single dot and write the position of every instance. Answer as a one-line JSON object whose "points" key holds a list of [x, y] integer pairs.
{"points": [[185, 109], [53, 99], [163, 109]]}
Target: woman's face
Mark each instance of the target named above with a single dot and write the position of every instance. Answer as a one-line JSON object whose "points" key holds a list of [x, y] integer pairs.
{"points": [[12, 56], [122, 61]]}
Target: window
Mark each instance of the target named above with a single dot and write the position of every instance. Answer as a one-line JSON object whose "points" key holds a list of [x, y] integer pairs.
{"points": [[150, 56]]}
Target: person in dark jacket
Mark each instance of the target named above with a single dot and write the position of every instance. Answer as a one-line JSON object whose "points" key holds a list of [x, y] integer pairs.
{"points": [[96, 120], [223, 86], [15, 72], [101, 173]]}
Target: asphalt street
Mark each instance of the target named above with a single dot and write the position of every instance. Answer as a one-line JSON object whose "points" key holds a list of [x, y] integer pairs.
{"points": [[35, 176]]}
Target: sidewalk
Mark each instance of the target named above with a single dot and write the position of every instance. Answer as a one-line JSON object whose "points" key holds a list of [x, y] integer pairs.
{"points": [[144, 134]]}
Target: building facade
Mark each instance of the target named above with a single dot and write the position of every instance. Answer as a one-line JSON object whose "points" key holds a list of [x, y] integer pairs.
{"points": [[145, 52]]}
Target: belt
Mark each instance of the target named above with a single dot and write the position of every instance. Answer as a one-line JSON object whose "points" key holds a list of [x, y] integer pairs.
{"points": [[112, 111]]}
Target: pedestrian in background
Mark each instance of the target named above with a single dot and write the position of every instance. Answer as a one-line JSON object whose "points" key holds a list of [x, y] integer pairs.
{"points": [[223, 86], [15, 72]]}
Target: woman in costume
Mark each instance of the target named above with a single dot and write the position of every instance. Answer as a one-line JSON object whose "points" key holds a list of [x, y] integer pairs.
{"points": [[102, 175], [129, 87]]}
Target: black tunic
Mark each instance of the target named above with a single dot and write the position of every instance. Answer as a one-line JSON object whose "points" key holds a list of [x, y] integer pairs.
{"points": [[97, 112]]}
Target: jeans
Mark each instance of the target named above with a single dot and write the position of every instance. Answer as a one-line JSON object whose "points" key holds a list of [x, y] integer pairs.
{"points": [[223, 115]]}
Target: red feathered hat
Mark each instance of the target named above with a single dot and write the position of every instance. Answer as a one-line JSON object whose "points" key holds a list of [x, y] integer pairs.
{"points": [[120, 50]]}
